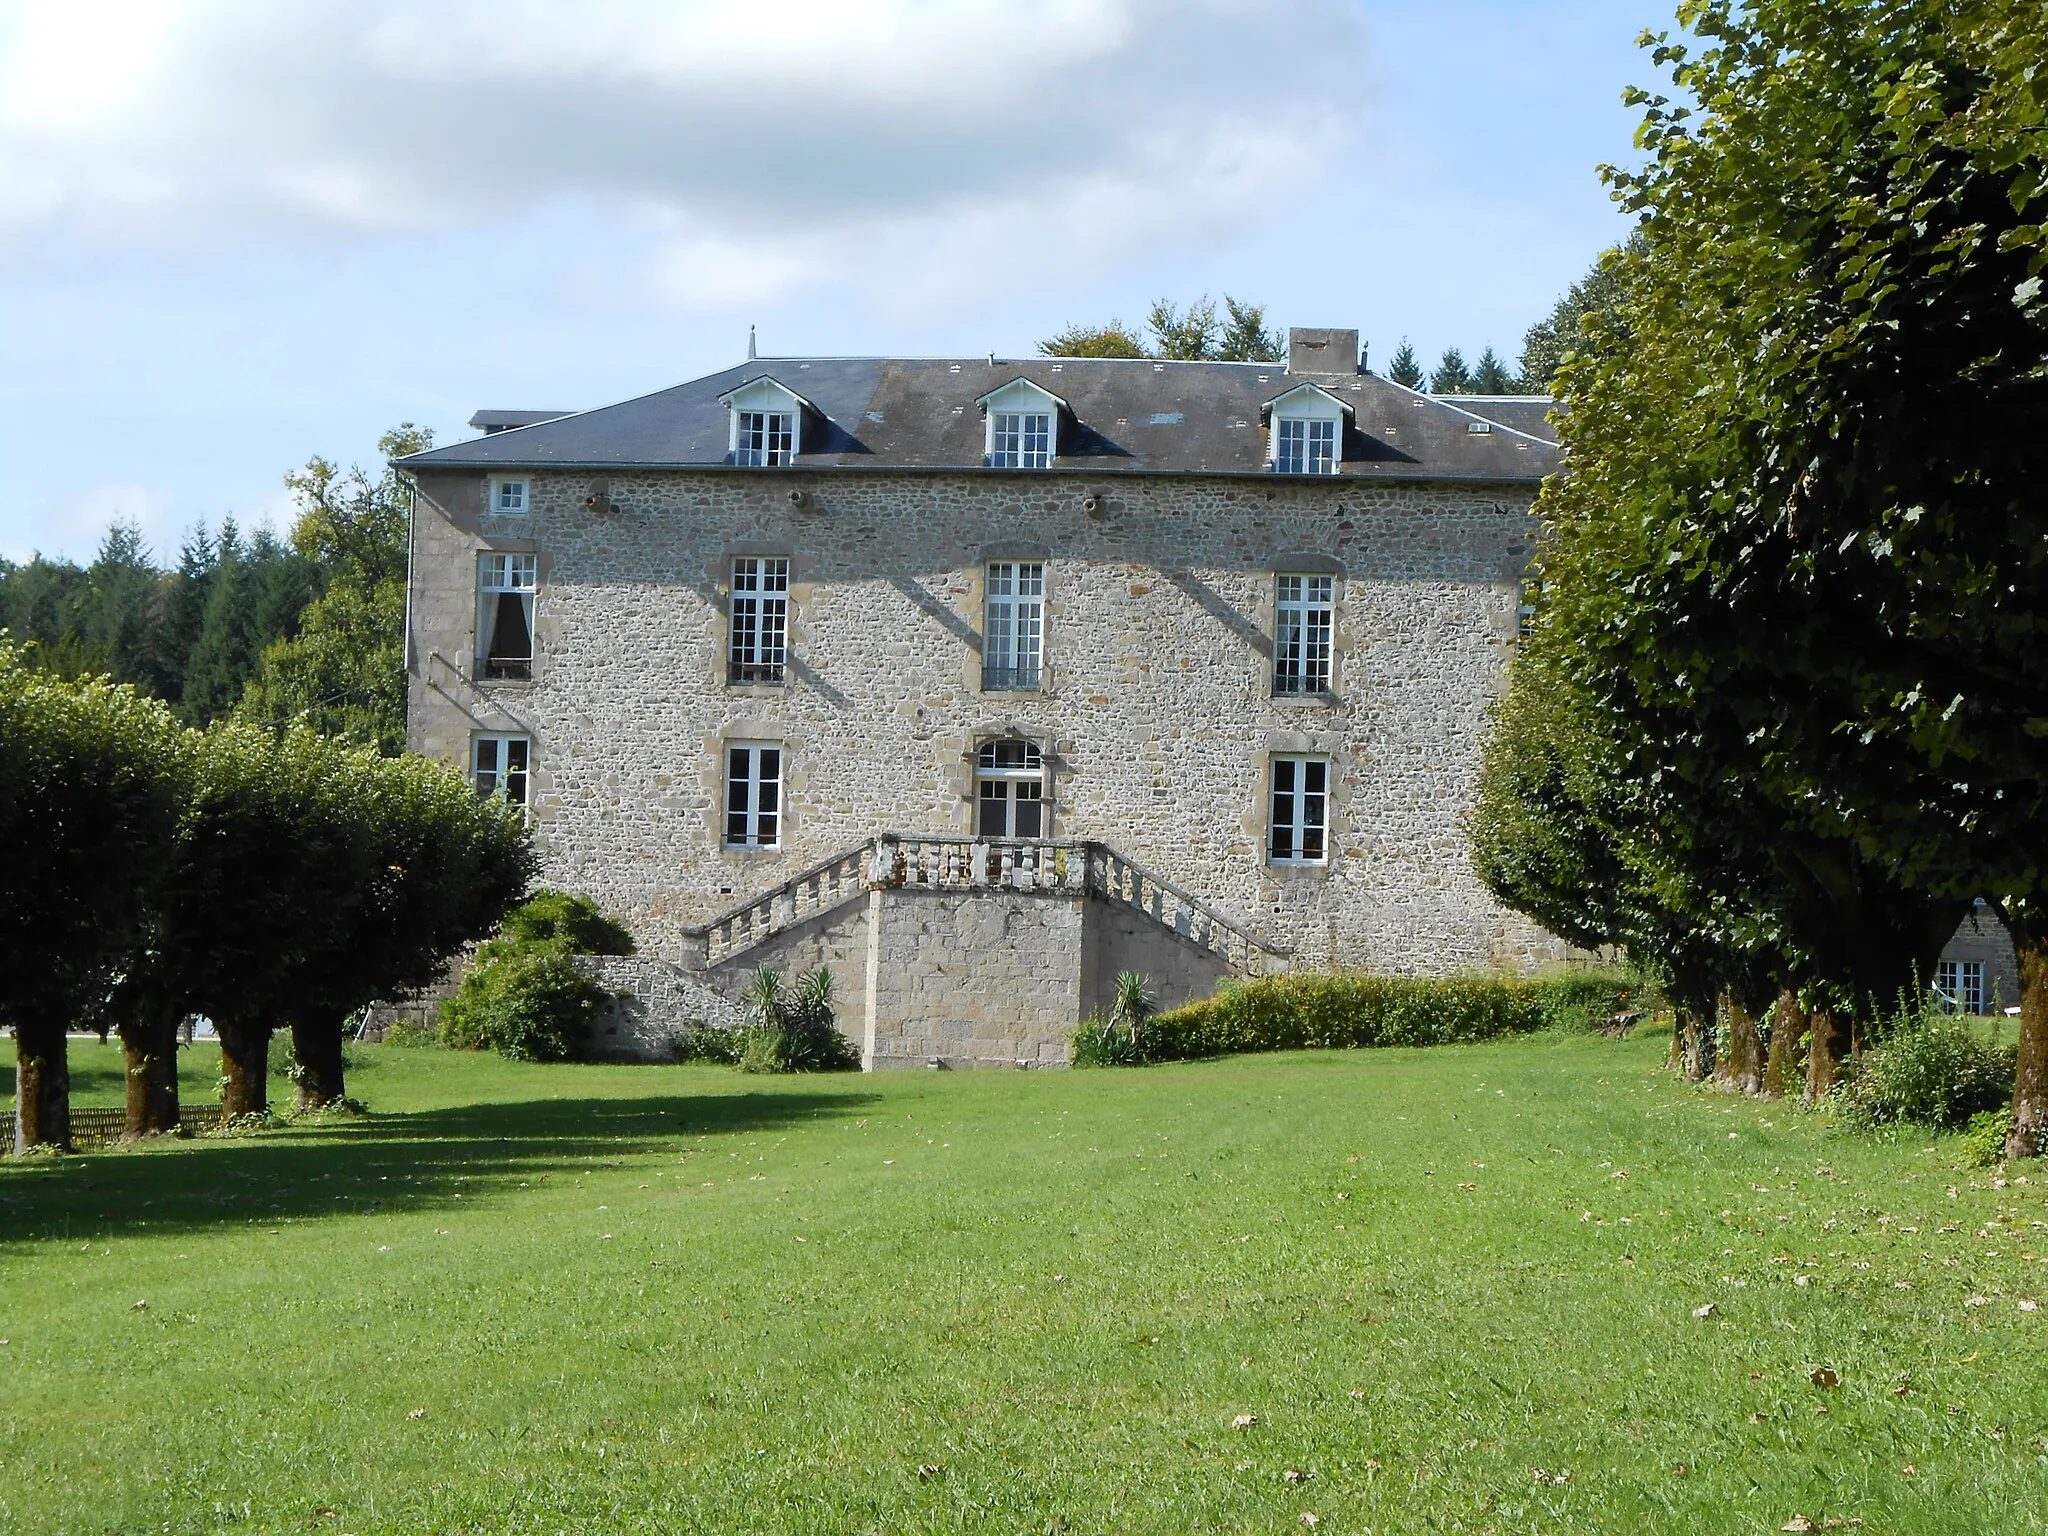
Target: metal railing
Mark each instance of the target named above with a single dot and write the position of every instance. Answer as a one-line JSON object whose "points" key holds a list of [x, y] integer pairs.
{"points": [[753, 672], [908, 861]]}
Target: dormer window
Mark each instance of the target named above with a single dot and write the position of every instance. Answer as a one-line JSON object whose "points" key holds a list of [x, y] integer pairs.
{"points": [[1305, 447], [1020, 440], [1307, 431], [765, 437], [1023, 426], [768, 421]]}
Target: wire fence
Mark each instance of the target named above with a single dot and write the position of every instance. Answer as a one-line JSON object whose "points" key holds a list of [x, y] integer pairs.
{"points": [[97, 1125]]}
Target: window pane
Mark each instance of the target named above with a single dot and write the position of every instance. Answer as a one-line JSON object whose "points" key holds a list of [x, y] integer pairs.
{"points": [[738, 794], [995, 808], [1029, 804]]}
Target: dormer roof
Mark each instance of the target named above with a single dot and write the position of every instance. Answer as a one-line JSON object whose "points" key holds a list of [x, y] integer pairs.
{"points": [[1021, 392], [1309, 399], [766, 392]]}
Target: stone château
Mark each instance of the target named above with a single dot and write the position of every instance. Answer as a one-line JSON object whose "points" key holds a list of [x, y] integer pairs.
{"points": [[985, 679]]}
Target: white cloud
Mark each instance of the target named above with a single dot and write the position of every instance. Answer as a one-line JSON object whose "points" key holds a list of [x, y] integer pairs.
{"points": [[906, 149]]}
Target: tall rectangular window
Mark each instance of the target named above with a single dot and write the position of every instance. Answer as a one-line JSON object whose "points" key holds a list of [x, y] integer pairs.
{"points": [[753, 795], [508, 496], [504, 615], [1301, 634], [1021, 440], [1301, 811], [498, 766], [760, 619], [1013, 624], [766, 437], [1303, 447], [1961, 985]]}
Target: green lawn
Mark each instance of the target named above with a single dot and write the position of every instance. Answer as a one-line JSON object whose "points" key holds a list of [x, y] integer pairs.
{"points": [[675, 1299]]}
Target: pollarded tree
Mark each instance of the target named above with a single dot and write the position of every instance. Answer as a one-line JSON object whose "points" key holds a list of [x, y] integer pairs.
{"points": [[1804, 533], [93, 776], [444, 867]]}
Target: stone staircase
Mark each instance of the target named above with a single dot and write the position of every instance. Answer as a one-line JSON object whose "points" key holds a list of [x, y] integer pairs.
{"points": [[904, 861]]}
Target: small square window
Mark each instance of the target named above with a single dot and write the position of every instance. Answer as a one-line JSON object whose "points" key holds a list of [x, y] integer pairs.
{"points": [[509, 497], [499, 764], [1299, 824], [753, 794]]}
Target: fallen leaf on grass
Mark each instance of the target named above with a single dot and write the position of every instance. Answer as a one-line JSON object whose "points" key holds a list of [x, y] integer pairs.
{"points": [[1293, 1476], [1826, 1377], [1555, 1479], [2030, 1306], [1909, 1470], [1311, 1519], [417, 1413], [1798, 1523], [140, 1306], [1244, 1421], [1706, 1311], [927, 1471]]}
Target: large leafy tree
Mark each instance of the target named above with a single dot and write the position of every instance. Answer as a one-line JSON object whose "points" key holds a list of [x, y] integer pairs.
{"points": [[342, 672], [93, 776], [1193, 334], [1804, 543]]}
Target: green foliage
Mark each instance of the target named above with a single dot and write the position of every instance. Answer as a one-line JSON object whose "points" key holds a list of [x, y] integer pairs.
{"points": [[1929, 1070], [1490, 375], [548, 915], [1403, 368], [1101, 1041], [525, 1003], [93, 777], [342, 673], [1982, 1141], [1451, 377], [1112, 340], [707, 1043], [1191, 334], [1583, 999], [1348, 1011], [1568, 328], [794, 1028]]}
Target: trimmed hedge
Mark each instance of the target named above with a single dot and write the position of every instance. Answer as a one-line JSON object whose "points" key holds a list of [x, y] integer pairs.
{"points": [[1346, 1012]]}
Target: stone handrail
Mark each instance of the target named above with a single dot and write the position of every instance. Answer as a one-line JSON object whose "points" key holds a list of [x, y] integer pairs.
{"points": [[1067, 867]]}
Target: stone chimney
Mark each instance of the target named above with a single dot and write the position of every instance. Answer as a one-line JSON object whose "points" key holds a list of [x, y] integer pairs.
{"points": [[1321, 351]]}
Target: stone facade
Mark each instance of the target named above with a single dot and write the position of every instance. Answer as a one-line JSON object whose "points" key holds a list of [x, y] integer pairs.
{"points": [[1156, 712]]}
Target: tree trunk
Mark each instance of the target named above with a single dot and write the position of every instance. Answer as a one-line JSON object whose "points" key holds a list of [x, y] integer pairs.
{"points": [[245, 1065], [150, 1046], [1788, 1024], [1822, 1053], [1697, 1049], [42, 1087], [1745, 1066], [2030, 1089], [316, 1051]]}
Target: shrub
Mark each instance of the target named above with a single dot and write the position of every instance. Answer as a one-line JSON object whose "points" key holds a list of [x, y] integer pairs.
{"points": [[530, 1005], [795, 1030], [406, 1033], [1347, 1011], [1929, 1070], [1100, 1041], [551, 917], [706, 1042]]}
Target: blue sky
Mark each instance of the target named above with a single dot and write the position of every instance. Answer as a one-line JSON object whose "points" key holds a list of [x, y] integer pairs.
{"points": [[233, 236]]}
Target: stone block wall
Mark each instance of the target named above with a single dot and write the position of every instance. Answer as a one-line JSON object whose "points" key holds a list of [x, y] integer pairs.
{"points": [[654, 1005], [1119, 939], [1981, 936], [1156, 712]]}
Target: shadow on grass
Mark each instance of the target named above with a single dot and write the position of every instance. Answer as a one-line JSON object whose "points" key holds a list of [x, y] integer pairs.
{"points": [[378, 1163]]}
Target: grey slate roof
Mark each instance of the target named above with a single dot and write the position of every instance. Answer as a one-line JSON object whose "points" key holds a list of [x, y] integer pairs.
{"points": [[1128, 416], [502, 421], [1525, 413]]}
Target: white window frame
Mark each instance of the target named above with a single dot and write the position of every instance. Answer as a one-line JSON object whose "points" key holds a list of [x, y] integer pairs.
{"points": [[1304, 630], [1962, 980], [757, 647], [510, 496], [492, 768], [754, 772], [1298, 809], [1020, 439], [764, 439], [1013, 626], [1015, 785], [1306, 445], [499, 575]]}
